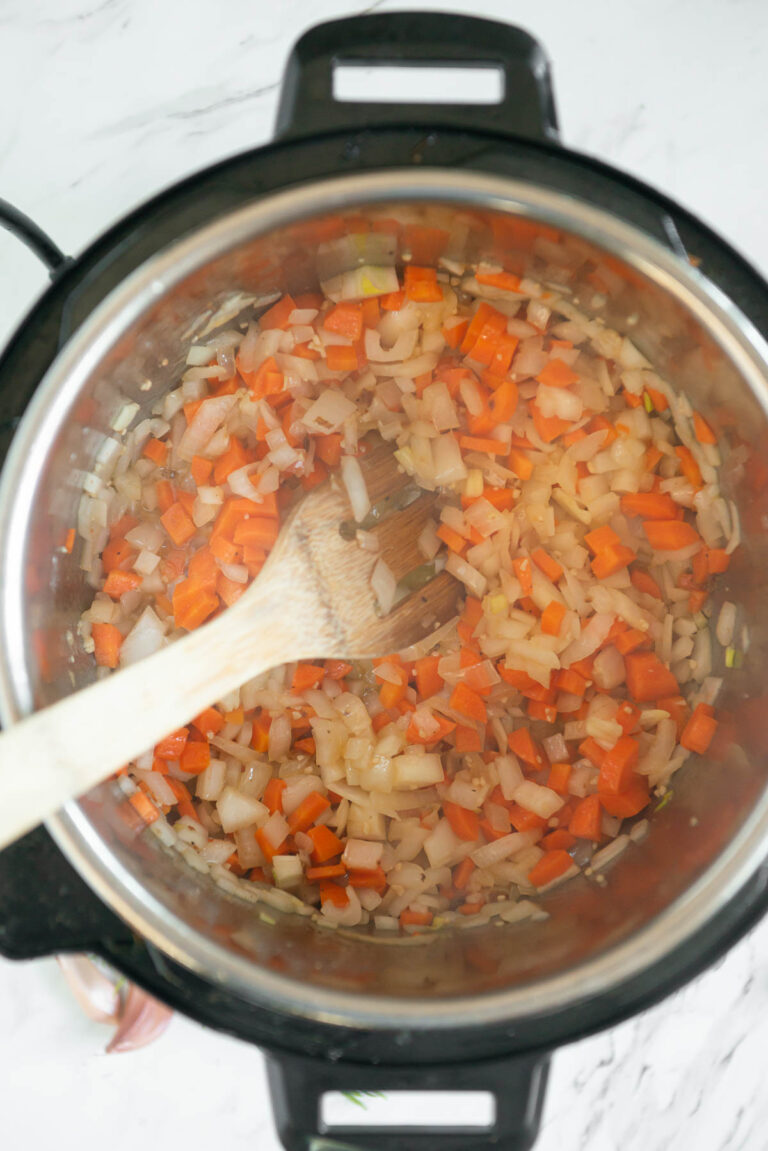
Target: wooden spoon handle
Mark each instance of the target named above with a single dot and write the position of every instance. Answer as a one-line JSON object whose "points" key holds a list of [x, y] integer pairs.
{"points": [[63, 750]]}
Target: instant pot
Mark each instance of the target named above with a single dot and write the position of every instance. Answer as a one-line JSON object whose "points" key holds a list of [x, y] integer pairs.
{"points": [[475, 1009]]}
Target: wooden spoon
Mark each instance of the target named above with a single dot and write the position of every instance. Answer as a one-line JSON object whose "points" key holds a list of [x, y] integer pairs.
{"points": [[313, 599]]}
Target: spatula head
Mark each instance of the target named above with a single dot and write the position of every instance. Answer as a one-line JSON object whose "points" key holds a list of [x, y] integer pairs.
{"points": [[322, 548]]}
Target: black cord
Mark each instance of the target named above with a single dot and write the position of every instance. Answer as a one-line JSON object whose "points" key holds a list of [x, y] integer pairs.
{"points": [[33, 236]]}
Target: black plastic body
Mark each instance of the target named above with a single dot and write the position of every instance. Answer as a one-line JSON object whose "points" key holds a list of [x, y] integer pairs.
{"points": [[44, 906]]}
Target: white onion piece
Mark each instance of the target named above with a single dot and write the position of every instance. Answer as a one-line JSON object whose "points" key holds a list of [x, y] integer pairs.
{"points": [[503, 848], [207, 419], [237, 810], [145, 637], [240, 481], [354, 482], [400, 350], [328, 412], [279, 737], [362, 854], [589, 640], [384, 586]]}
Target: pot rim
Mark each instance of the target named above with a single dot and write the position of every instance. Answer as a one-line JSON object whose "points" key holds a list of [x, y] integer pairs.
{"points": [[71, 829]]}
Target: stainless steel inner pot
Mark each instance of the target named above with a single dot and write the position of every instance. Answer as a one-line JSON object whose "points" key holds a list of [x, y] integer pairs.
{"points": [[701, 848]]}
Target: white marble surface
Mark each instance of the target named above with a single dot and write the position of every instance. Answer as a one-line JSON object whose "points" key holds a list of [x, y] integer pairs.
{"points": [[104, 102]]}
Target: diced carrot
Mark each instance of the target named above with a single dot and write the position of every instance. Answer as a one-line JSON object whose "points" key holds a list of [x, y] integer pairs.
{"points": [[201, 470], [341, 358], [670, 535], [571, 681], [590, 749], [648, 678], [552, 618], [451, 538], [178, 524], [520, 464], [557, 374], [312, 806], [445, 728], [203, 569], [118, 555], [611, 560], [643, 581], [236, 456], [328, 449], [618, 766], [718, 560], [696, 601], [69, 541], [688, 466], [277, 316], [192, 605], [413, 918], [586, 819], [346, 319], [521, 742], [143, 806], [375, 880], [559, 775], [649, 505], [462, 872], [118, 583], [482, 444], [467, 739], [702, 430], [326, 844], [195, 757], [658, 399], [107, 641], [257, 532], [371, 312], [601, 538], [551, 866], [652, 457], [267, 846], [464, 823], [463, 699], [421, 285], [156, 451], [337, 668], [308, 745], [273, 795], [209, 722], [631, 639], [183, 798], [548, 427], [428, 680], [260, 736], [601, 424], [699, 731], [173, 745], [506, 281], [629, 802], [631, 399], [455, 334], [306, 675], [550, 567], [537, 709], [392, 301], [522, 569], [559, 840], [329, 871], [332, 893], [627, 716]]}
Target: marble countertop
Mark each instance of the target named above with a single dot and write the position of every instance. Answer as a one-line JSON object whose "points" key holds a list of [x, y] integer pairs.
{"points": [[107, 101]]}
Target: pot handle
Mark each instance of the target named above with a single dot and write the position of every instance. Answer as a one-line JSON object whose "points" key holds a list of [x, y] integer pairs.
{"points": [[517, 1084], [31, 234], [430, 39], [45, 906]]}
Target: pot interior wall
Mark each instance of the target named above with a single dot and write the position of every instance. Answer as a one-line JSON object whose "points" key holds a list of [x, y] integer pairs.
{"points": [[712, 798]]}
